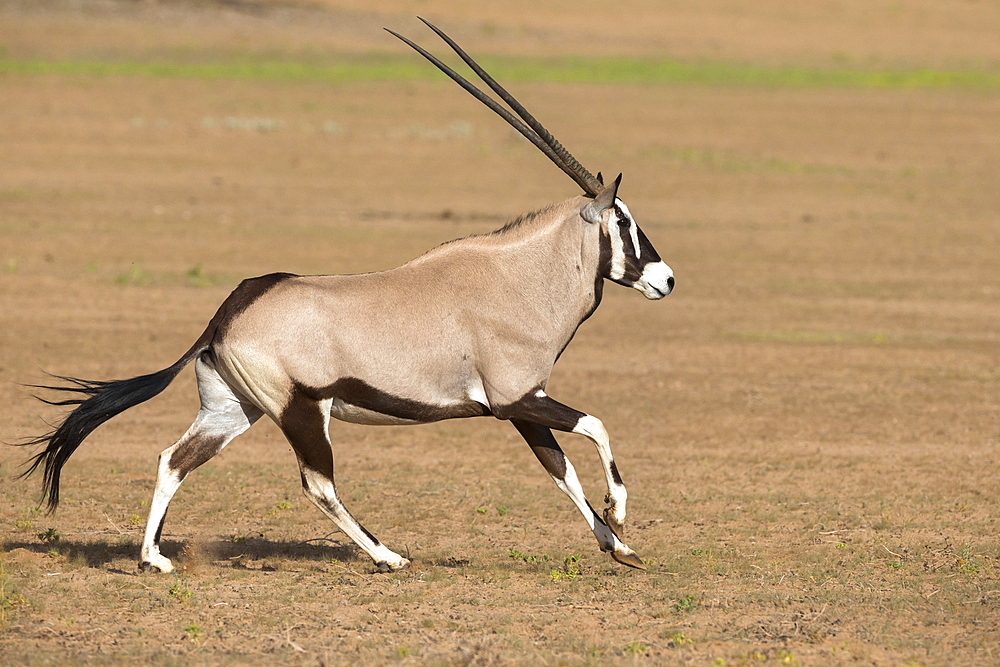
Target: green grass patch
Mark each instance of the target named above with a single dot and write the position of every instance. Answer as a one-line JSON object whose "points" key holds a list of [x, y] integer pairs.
{"points": [[386, 67], [735, 163]]}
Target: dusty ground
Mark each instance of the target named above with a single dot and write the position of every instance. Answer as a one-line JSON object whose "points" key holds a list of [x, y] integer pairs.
{"points": [[808, 426]]}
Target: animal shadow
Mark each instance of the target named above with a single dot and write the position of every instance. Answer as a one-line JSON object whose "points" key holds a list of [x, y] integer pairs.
{"points": [[248, 553]]}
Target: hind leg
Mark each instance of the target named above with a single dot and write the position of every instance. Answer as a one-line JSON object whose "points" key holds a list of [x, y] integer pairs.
{"points": [[222, 417], [305, 422]]}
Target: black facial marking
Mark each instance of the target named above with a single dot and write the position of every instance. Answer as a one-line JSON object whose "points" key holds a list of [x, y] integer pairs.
{"points": [[649, 253], [362, 395], [604, 261], [624, 231], [632, 270]]}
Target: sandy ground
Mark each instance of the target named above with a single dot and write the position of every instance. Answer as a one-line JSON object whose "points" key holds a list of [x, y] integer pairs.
{"points": [[807, 426]]}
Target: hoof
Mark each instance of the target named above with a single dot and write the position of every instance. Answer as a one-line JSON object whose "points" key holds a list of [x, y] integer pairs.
{"points": [[629, 559], [146, 566], [385, 566], [616, 527]]}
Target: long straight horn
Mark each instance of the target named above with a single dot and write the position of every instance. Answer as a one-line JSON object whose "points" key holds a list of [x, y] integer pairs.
{"points": [[593, 185], [533, 130]]}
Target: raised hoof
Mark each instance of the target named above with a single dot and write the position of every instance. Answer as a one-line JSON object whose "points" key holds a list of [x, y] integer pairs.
{"points": [[385, 566], [616, 527], [628, 559]]}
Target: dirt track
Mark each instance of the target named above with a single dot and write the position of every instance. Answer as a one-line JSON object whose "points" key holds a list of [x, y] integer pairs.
{"points": [[808, 426]]}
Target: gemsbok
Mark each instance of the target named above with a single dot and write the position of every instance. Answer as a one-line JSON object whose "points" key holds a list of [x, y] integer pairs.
{"points": [[471, 328]]}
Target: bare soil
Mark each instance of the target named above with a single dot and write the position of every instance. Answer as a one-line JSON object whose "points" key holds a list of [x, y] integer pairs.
{"points": [[808, 426]]}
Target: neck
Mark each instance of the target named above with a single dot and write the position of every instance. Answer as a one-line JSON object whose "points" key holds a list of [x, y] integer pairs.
{"points": [[553, 261]]}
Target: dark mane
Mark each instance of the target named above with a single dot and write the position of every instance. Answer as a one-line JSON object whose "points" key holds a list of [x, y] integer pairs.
{"points": [[510, 227], [522, 219]]}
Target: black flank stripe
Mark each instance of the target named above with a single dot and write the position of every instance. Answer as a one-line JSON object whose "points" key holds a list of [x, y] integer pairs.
{"points": [[362, 395]]}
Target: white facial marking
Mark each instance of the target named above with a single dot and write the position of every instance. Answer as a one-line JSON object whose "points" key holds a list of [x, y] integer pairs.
{"points": [[617, 249], [540, 394], [633, 229], [655, 281]]}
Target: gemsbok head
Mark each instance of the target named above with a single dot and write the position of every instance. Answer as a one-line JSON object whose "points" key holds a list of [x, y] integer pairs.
{"points": [[470, 328]]}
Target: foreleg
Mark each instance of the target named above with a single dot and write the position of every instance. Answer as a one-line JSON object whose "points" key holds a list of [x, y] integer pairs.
{"points": [[540, 409], [543, 444]]}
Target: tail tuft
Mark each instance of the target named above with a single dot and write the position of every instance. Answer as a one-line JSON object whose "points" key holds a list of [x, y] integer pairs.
{"points": [[96, 402]]}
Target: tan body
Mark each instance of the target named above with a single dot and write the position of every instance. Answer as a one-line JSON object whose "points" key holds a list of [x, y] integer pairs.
{"points": [[435, 330], [471, 328]]}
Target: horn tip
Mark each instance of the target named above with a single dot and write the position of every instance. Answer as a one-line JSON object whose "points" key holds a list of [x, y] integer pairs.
{"points": [[430, 25]]}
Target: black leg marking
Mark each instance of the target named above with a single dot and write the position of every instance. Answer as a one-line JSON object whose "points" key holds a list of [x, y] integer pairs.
{"points": [[358, 393], [304, 422], [370, 536], [195, 452], [159, 530], [543, 444], [615, 474], [541, 410], [534, 415]]}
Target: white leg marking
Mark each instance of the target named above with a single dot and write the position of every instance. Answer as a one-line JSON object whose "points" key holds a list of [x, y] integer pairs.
{"points": [[221, 418], [167, 483], [593, 428], [571, 486], [322, 492]]}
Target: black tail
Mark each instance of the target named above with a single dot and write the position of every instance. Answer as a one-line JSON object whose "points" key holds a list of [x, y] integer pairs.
{"points": [[97, 401]]}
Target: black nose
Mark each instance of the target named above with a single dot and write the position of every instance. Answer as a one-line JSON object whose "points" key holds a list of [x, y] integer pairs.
{"points": [[670, 283]]}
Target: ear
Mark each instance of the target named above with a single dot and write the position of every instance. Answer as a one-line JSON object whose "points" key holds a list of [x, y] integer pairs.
{"points": [[605, 199], [600, 178]]}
